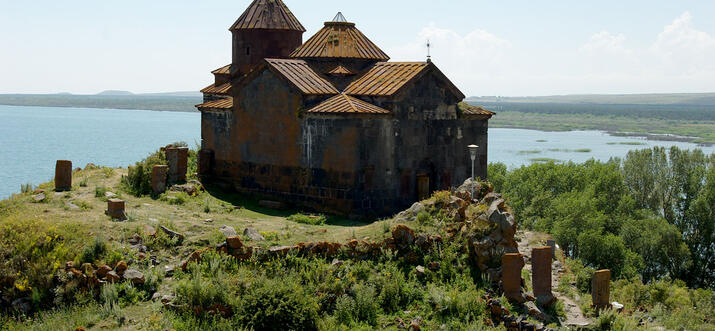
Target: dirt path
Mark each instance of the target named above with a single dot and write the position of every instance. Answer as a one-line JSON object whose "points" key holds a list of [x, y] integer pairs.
{"points": [[574, 315]]}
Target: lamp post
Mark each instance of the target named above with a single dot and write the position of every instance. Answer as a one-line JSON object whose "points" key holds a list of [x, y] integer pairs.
{"points": [[473, 155]]}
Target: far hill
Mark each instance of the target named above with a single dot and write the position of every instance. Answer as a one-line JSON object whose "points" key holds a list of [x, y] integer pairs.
{"points": [[609, 99], [115, 93]]}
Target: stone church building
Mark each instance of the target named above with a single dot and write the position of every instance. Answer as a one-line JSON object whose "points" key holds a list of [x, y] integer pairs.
{"points": [[331, 124]]}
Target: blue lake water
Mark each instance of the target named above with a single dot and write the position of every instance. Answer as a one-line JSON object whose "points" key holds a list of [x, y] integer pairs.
{"points": [[33, 138]]}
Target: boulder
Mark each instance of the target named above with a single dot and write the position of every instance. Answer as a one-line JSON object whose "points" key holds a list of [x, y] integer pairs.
{"points": [[228, 231], [234, 242], [534, 311], [172, 234], [411, 213], [190, 189], [112, 277], [135, 276], [403, 235], [420, 270], [109, 195], [120, 268], [39, 197], [253, 234]]}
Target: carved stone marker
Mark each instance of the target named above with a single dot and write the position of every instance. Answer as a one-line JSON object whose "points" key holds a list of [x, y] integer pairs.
{"points": [[63, 175], [205, 158], [158, 178], [600, 289], [511, 264], [552, 243], [115, 209], [177, 158], [541, 274]]}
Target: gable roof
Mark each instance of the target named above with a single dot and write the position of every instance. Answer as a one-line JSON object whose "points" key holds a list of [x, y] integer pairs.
{"points": [[226, 103], [301, 76], [346, 104], [388, 78], [340, 40], [267, 14], [213, 89], [225, 70], [468, 109]]}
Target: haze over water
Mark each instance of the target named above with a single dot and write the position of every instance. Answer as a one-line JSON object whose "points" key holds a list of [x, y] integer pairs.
{"points": [[33, 138]]}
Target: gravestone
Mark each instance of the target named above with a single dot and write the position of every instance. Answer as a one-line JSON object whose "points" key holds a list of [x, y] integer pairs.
{"points": [[511, 264], [541, 274], [115, 209], [177, 158], [158, 178], [600, 289], [63, 175]]}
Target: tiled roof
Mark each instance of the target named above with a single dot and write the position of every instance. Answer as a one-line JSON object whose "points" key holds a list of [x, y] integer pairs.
{"points": [[267, 14], [385, 78], [340, 40], [341, 71], [468, 109], [226, 103], [213, 89], [298, 73], [225, 70], [346, 104]]}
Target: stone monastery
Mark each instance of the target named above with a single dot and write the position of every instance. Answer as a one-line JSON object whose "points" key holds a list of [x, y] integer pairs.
{"points": [[330, 124]]}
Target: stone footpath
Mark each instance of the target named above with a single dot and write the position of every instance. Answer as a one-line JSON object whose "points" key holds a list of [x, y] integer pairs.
{"points": [[574, 316]]}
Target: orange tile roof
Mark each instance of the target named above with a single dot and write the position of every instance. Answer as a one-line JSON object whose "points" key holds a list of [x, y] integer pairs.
{"points": [[213, 89], [346, 104], [267, 14], [468, 109], [298, 73], [341, 71], [226, 103], [386, 78], [225, 70], [340, 40]]}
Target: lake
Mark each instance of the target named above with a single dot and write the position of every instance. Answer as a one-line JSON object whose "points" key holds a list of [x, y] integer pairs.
{"points": [[33, 138]]}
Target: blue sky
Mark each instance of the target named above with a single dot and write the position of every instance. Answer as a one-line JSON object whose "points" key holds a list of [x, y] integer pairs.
{"points": [[487, 47]]}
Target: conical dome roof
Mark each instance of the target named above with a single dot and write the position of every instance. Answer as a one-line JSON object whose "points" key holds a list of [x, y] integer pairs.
{"points": [[267, 14], [340, 39]]}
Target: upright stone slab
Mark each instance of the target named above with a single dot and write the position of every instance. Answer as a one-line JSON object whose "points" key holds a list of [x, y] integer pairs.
{"points": [[115, 209], [205, 160], [541, 274], [552, 243], [158, 178], [511, 264], [177, 158], [63, 175], [601, 289]]}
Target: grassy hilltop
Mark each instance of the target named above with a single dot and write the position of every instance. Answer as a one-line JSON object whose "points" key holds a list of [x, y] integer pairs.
{"points": [[197, 276]]}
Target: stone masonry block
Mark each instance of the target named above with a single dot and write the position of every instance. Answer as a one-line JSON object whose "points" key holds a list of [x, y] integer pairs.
{"points": [[600, 288], [115, 209], [63, 175], [541, 273], [158, 178], [177, 158], [512, 263]]}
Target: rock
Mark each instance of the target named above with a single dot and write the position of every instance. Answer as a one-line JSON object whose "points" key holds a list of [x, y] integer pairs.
{"points": [[228, 231], [336, 263], [271, 204], [112, 277], [253, 234], [411, 213], [279, 250], [617, 306], [72, 206], [109, 195], [172, 234], [149, 231], [135, 276], [136, 239], [420, 270], [415, 324], [194, 257], [102, 270], [155, 296], [190, 189], [403, 235], [234, 242], [120, 268], [434, 266], [534, 311], [39, 197], [167, 298], [168, 271]]}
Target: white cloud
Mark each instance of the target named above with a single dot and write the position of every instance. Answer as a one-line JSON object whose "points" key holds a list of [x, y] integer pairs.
{"points": [[683, 49], [606, 42]]}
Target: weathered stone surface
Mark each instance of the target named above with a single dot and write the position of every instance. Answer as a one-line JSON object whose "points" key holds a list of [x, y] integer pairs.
{"points": [[403, 235], [194, 257], [63, 175], [102, 270], [39, 197], [228, 231], [149, 231], [271, 204], [512, 264], [177, 159], [159, 176], [234, 242], [534, 311], [188, 188], [420, 270], [113, 277], [134, 275], [120, 268], [601, 288], [253, 234], [115, 209], [541, 274], [171, 233], [205, 161], [410, 214]]}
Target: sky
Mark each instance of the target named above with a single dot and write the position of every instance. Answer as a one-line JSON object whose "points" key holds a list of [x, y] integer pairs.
{"points": [[505, 48]]}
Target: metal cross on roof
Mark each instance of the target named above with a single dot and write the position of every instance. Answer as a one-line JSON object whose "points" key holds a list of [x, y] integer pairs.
{"points": [[340, 18]]}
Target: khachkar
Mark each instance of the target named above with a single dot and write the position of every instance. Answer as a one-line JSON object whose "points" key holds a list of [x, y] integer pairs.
{"points": [[158, 178], [601, 289], [541, 274], [177, 159], [63, 175]]}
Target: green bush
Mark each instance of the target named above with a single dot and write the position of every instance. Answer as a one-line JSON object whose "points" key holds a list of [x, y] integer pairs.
{"points": [[93, 252], [138, 180], [277, 304], [366, 304], [308, 219], [345, 310]]}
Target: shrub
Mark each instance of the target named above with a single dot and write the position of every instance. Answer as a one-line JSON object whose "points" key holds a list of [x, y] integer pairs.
{"points": [[308, 219], [345, 309], [99, 191], [138, 180], [277, 304], [94, 251], [26, 188], [366, 303], [175, 198]]}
